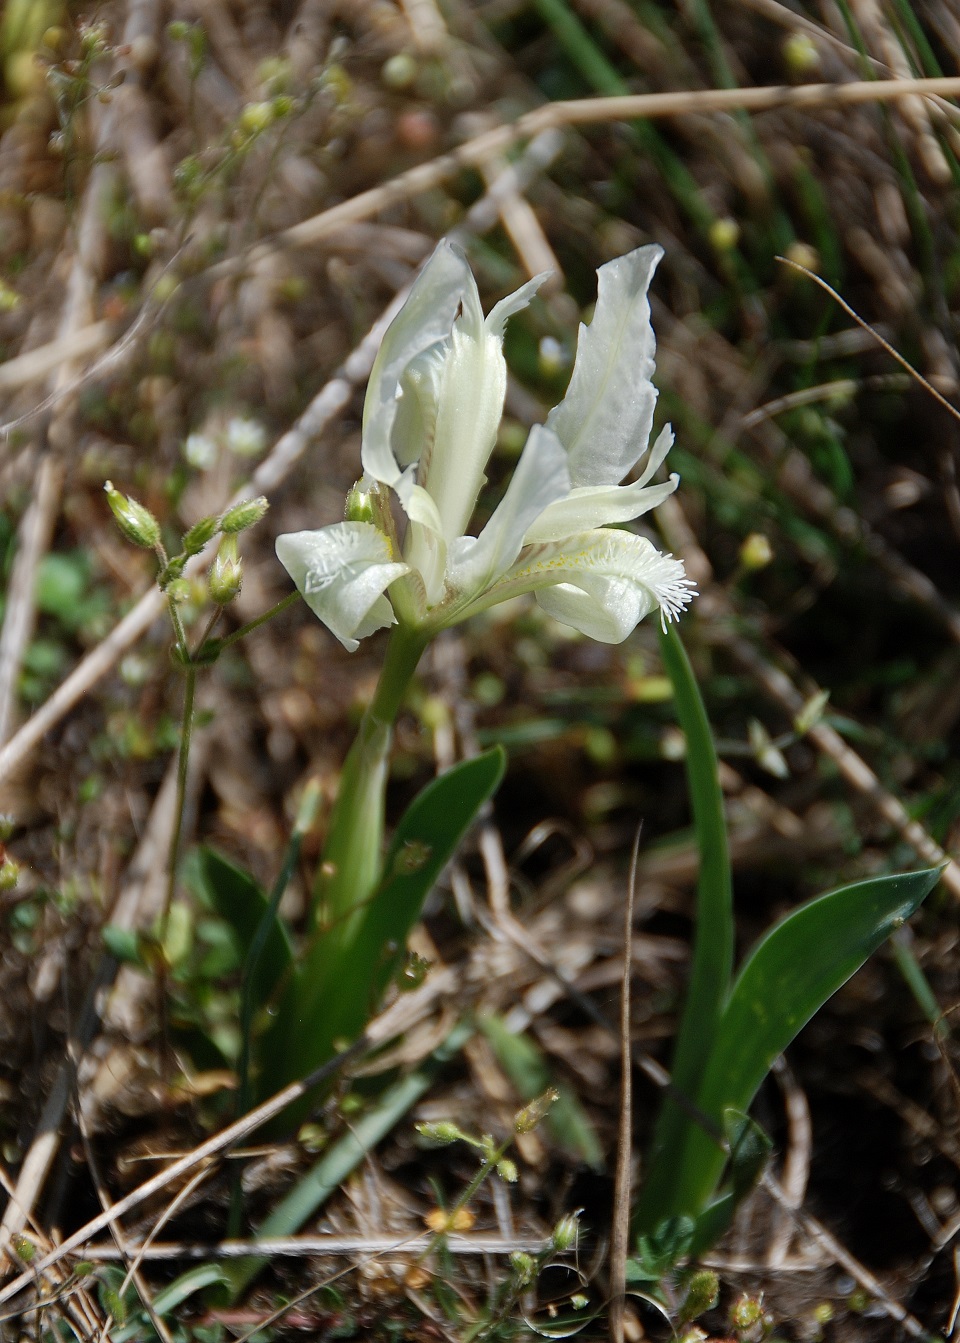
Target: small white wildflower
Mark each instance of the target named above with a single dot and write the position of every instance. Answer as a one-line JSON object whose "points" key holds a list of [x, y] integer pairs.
{"points": [[245, 437], [200, 451]]}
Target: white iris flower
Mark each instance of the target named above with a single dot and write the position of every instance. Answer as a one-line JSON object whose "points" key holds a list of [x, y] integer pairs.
{"points": [[430, 420]]}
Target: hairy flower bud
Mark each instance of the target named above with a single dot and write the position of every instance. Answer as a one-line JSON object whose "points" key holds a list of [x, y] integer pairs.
{"points": [[359, 506], [530, 1116], [226, 574], [702, 1292], [524, 1266], [136, 522], [567, 1232], [444, 1131], [199, 534], [243, 515]]}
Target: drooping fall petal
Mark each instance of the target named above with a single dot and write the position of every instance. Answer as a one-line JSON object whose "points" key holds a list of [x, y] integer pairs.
{"points": [[342, 572]]}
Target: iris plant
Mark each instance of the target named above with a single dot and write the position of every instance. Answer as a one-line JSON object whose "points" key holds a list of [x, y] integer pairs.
{"points": [[430, 421]]}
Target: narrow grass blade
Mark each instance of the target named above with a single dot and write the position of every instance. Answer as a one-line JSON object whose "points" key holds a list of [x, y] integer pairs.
{"points": [[919, 985], [604, 78], [712, 959], [346, 1154], [169, 1298], [789, 975]]}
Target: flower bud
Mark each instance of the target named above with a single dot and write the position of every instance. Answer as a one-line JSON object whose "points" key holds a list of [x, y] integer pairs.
{"points": [[507, 1170], [800, 54], [811, 712], [171, 572], [702, 1292], [399, 71], [724, 234], [524, 1267], [180, 590], [746, 1312], [566, 1233], [531, 1115], [444, 1131], [9, 875], [756, 551], [359, 506], [23, 1248], [136, 522], [199, 534], [244, 515], [765, 753], [226, 575], [256, 117]]}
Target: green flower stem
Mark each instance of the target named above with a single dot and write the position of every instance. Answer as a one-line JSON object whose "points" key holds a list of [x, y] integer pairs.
{"points": [[183, 762], [251, 625], [351, 858]]}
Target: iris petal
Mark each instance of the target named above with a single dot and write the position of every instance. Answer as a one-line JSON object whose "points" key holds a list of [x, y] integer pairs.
{"points": [[605, 418], [606, 582], [541, 477], [342, 572]]}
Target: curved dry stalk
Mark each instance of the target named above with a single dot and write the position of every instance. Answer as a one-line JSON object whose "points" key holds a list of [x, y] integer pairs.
{"points": [[212, 1147], [298, 1247], [582, 112], [32, 365], [33, 541]]}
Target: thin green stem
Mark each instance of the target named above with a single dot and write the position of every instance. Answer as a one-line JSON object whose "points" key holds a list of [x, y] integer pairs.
{"points": [[252, 625], [306, 816], [183, 761], [178, 630], [211, 625], [487, 1167]]}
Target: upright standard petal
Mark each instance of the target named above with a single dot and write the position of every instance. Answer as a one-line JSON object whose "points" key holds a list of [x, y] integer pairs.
{"points": [[342, 572], [602, 583], [605, 418], [540, 478], [425, 319], [470, 405]]}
